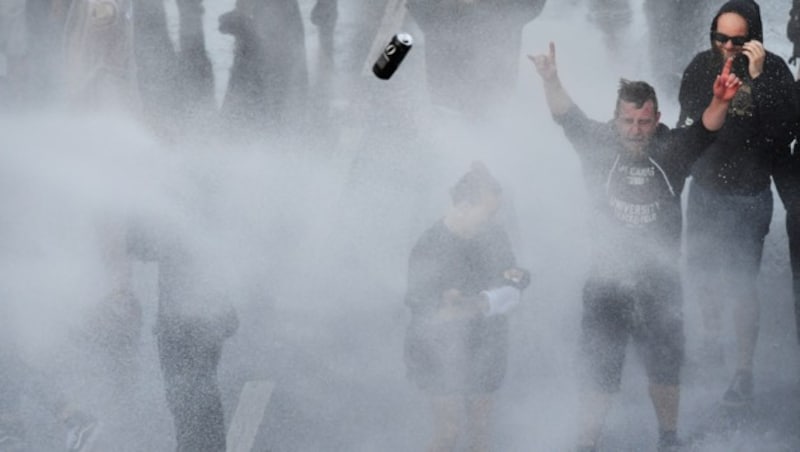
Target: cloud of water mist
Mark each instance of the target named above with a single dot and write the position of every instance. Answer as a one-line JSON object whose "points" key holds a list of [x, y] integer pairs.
{"points": [[311, 244]]}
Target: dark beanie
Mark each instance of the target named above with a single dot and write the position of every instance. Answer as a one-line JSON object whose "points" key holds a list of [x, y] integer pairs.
{"points": [[749, 10]]}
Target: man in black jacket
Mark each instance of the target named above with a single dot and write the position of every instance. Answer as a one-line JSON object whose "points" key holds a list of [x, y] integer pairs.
{"points": [[730, 200], [789, 188], [634, 168]]}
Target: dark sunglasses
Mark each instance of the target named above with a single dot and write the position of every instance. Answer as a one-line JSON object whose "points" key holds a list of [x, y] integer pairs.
{"points": [[738, 41]]}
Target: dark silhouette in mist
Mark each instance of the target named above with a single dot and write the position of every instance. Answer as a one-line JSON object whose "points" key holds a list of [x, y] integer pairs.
{"points": [[176, 82], [472, 49], [268, 85], [674, 33]]}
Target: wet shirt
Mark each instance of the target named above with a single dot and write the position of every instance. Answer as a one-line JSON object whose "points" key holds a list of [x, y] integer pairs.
{"points": [[441, 261], [635, 200]]}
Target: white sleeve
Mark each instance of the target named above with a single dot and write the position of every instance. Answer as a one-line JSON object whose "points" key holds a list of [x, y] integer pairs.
{"points": [[501, 299]]}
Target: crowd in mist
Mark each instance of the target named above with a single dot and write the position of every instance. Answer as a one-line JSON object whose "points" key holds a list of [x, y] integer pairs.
{"points": [[170, 234]]}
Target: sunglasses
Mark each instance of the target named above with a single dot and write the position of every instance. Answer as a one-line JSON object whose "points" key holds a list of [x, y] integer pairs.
{"points": [[737, 41]]}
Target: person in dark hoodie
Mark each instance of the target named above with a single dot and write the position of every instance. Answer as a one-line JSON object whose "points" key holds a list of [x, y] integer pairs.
{"points": [[730, 199], [789, 189], [634, 169]]}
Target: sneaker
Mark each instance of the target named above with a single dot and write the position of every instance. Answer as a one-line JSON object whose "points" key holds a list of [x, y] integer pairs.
{"points": [[81, 431], [740, 392]]}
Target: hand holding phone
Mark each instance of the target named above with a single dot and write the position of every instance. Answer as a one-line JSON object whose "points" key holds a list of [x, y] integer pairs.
{"points": [[755, 53]]}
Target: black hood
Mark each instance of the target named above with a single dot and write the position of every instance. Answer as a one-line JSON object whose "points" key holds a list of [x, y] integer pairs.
{"points": [[748, 9]]}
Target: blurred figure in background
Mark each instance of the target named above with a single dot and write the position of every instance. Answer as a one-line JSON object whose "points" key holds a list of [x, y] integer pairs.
{"points": [[793, 30], [100, 78], [156, 69], [176, 84], [472, 49], [14, 48], [462, 282], [195, 314], [612, 17], [46, 19], [100, 69], [673, 34], [268, 85], [195, 74], [19, 379]]}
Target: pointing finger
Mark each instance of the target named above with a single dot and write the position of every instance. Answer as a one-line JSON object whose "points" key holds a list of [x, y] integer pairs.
{"points": [[726, 70]]}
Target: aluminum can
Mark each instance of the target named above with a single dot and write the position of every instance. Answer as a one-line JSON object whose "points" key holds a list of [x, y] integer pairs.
{"points": [[392, 56]]}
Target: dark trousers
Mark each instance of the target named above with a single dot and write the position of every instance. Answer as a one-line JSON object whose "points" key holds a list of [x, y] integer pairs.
{"points": [[189, 358], [793, 231]]}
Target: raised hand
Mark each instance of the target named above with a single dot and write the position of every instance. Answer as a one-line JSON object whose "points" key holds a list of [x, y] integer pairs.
{"points": [[756, 54], [726, 84], [546, 64]]}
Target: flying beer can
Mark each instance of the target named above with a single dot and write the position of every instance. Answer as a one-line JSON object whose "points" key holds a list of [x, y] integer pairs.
{"points": [[392, 55]]}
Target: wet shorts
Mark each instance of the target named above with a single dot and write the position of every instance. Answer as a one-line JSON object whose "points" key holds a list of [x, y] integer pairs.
{"points": [[648, 310]]}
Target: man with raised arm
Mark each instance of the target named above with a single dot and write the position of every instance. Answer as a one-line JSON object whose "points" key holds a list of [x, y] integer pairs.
{"points": [[634, 168]]}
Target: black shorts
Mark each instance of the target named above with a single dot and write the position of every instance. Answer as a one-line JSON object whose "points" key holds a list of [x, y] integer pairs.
{"points": [[648, 310], [457, 357], [725, 238]]}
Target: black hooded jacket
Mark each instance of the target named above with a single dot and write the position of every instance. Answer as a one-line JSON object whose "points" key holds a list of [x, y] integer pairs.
{"points": [[755, 139]]}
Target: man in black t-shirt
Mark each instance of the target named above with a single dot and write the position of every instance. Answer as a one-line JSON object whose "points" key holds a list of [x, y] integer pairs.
{"points": [[634, 168]]}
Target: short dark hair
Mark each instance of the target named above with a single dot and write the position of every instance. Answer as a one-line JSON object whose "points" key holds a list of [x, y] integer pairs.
{"points": [[636, 92], [473, 184]]}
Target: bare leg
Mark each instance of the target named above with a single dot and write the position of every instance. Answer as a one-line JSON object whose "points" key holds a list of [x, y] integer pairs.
{"points": [[666, 400], [479, 413], [447, 412], [746, 318], [594, 406], [712, 310]]}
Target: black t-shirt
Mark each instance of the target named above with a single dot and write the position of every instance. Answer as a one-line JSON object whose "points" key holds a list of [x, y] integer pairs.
{"points": [[441, 261], [456, 355], [635, 200]]}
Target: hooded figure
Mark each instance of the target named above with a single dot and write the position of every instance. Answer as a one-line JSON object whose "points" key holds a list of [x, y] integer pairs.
{"points": [[730, 199]]}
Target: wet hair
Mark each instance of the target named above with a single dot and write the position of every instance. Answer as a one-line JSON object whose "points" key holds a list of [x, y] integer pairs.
{"points": [[474, 184], [635, 92]]}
